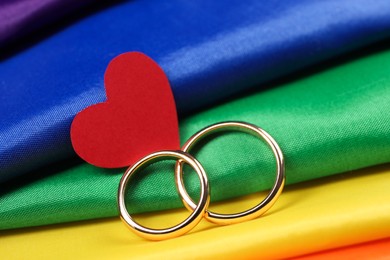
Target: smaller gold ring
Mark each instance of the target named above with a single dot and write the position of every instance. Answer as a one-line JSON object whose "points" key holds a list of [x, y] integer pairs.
{"points": [[183, 227], [254, 212]]}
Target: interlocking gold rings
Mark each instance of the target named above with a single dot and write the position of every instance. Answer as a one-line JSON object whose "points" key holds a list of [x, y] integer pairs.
{"points": [[200, 210], [263, 206]]}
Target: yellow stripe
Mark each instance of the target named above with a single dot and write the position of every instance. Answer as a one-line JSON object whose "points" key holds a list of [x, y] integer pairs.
{"points": [[326, 213]]}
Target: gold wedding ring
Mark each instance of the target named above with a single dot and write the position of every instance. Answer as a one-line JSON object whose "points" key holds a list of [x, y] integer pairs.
{"points": [[259, 209], [183, 227], [200, 210]]}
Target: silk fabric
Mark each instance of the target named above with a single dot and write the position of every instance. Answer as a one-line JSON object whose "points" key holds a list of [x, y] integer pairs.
{"points": [[333, 121], [309, 217], [209, 50]]}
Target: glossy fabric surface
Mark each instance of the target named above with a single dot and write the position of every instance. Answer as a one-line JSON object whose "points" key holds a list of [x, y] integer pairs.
{"points": [[20, 17], [309, 217], [330, 122], [209, 50], [378, 250]]}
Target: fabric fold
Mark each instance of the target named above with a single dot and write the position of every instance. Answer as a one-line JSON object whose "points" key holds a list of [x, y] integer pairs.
{"points": [[233, 46], [331, 122], [308, 217], [378, 249], [20, 17]]}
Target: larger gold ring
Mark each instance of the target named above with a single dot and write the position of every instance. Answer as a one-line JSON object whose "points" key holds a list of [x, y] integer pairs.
{"points": [[256, 211], [183, 227]]}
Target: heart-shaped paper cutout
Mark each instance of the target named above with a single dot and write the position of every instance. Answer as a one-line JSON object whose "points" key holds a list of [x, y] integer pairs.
{"points": [[138, 118]]}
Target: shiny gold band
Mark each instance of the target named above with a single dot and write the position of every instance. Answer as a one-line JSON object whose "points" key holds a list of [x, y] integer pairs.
{"points": [[263, 206], [185, 226], [200, 210]]}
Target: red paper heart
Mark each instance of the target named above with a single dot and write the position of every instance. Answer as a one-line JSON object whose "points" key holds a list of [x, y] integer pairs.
{"points": [[138, 118]]}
